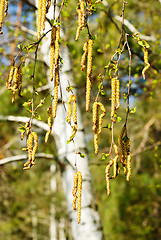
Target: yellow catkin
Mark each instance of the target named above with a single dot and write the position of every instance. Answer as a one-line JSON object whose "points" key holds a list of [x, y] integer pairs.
{"points": [[52, 52], [89, 72], [49, 111], [117, 93], [43, 13], [83, 59], [115, 166], [96, 142], [27, 165], [113, 98], [97, 122], [115, 149], [19, 81], [6, 8], [74, 109], [128, 167], [145, 50], [101, 116], [72, 98], [31, 150], [79, 28], [2, 2], [10, 77], [74, 191], [35, 147], [56, 84], [69, 116], [82, 8], [95, 117], [107, 170], [48, 5], [74, 202], [39, 19], [79, 192], [57, 47]]}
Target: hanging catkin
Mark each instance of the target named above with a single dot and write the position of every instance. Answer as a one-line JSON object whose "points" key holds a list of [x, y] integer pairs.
{"points": [[77, 191], [6, 8], [83, 59], [56, 84], [2, 2], [97, 122], [113, 98], [39, 19], [43, 13], [145, 50], [117, 93], [49, 111], [31, 150], [57, 46], [89, 72], [52, 52], [79, 27]]}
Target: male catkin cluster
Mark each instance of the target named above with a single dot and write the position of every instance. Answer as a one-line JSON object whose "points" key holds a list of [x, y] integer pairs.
{"points": [[147, 64], [31, 150], [125, 155], [71, 99], [14, 81], [3, 10], [49, 111], [81, 17], [115, 92], [97, 122], [77, 191], [42, 4]]}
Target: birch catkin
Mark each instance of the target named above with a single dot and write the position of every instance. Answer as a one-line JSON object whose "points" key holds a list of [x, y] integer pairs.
{"points": [[39, 19], [113, 98], [43, 13], [97, 122], [31, 150], [147, 64], [83, 59], [89, 72], [2, 2], [52, 52], [77, 191], [49, 111]]}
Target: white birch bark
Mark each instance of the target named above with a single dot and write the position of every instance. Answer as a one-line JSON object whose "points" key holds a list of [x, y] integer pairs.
{"points": [[89, 227]]}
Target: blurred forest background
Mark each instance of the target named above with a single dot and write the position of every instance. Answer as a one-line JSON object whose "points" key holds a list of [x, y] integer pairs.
{"points": [[133, 209]]}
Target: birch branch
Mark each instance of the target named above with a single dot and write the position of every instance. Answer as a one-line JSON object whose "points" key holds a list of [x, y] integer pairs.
{"points": [[35, 122], [24, 157], [129, 25]]}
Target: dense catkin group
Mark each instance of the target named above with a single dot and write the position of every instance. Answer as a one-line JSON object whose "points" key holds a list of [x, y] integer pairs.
{"points": [[14, 81], [77, 191], [31, 150], [97, 122], [71, 99], [43, 6], [81, 17], [147, 64]]}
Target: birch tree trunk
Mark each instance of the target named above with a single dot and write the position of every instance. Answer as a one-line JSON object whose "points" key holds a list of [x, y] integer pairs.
{"points": [[89, 227]]}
